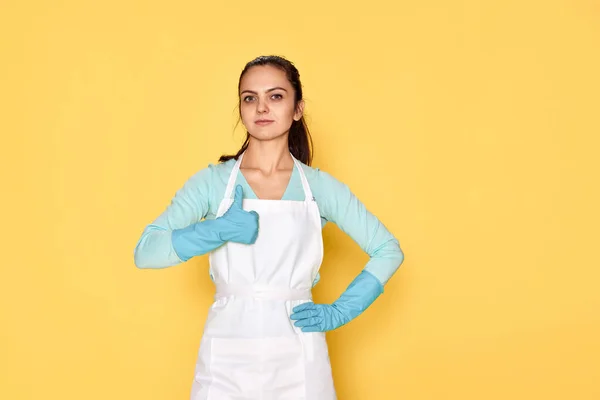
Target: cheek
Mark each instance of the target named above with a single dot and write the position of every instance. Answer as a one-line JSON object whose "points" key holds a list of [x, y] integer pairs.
{"points": [[245, 113], [286, 112]]}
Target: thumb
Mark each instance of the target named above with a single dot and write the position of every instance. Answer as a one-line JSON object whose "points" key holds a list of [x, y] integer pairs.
{"points": [[239, 196]]}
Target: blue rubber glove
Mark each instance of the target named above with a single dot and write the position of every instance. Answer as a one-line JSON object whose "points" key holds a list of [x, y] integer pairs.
{"points": [[236, 225], [361, 293]]}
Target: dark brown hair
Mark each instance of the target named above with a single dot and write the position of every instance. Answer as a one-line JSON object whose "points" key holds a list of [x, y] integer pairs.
{"points": [[299, 139]]}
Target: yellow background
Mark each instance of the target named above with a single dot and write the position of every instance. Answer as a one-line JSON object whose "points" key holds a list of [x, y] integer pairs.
{"points": [[470, 128]]}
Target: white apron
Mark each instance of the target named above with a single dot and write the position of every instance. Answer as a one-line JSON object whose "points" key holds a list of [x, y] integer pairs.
{"points": [[250, 349]]}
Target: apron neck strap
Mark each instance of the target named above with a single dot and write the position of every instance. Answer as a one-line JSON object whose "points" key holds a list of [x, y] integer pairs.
{"points": [[308, 196], [232, 177], [236, 167]]}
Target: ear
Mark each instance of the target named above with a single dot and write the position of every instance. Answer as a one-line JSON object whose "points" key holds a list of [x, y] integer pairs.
{"points": [[299, 111]]}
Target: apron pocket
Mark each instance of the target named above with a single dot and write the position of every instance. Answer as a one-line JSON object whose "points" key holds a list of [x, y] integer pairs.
{"points": [[319, 377], [233, 371], [283, 372]]}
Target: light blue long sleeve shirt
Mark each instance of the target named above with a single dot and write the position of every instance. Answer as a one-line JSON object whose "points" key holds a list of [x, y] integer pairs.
{"points": [[200, 196]]}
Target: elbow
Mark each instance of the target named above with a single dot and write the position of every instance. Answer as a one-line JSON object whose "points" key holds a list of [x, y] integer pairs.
{"points": [[155, 252], [140, 261], [400, 257], [140, 264], [143, 261], [392, 251]]}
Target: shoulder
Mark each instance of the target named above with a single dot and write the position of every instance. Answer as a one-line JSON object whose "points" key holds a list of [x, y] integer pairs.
{"points": [[221, 171], [221, 167], [331, 194], [324, 185], [317, 176], [209, 175], [214, 170]]}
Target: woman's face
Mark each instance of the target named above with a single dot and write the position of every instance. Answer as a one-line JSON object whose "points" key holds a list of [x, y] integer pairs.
{"points": [[267, 103]]}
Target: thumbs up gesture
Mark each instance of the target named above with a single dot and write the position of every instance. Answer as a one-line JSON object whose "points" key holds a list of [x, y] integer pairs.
{"points": [[242, 226]]}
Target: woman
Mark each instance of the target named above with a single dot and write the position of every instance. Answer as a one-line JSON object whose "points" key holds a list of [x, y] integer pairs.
{"points": [[260, 214]]}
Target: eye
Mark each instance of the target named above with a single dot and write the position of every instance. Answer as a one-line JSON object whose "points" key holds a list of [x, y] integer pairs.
{"points": [[248, 98], [277, 96]]}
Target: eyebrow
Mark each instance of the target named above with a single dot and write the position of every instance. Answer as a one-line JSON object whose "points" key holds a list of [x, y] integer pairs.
{"points": [[270, 90]]}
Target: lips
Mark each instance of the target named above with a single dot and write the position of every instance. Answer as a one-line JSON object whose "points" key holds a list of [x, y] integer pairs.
{"points": [[263, 122]]}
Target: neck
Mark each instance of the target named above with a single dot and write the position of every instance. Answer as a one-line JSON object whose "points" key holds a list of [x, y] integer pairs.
{"points": [[268, 155]]}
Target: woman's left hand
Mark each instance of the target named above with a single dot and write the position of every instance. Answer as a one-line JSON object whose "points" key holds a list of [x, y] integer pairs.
{"points": [[313, 317], [361, 293]]}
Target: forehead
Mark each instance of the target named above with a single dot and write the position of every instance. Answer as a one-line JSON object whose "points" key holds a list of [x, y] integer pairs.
{"points": [[264, 77]]}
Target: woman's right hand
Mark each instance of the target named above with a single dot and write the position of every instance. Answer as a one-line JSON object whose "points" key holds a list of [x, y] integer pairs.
{"points": [[238, 225]]}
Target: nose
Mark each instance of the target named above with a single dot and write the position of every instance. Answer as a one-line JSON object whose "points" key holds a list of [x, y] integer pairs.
{"points": [[262, 106]]}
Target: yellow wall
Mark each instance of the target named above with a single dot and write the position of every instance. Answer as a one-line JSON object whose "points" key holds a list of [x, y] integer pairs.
{"points": [[470, 128]]}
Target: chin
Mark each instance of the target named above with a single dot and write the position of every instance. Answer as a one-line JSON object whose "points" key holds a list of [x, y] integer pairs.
{"points": [[265, 134]]}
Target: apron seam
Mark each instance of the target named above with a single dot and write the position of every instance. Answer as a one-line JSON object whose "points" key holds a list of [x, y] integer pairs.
{"points": [[209, 368], [305, 369]]}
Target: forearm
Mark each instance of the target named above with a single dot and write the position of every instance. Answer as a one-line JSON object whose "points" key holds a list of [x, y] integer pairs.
{"points": [[155, 249], [190, 204], [161, 248]]}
